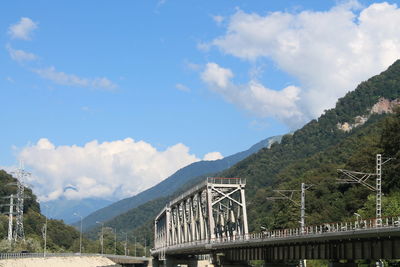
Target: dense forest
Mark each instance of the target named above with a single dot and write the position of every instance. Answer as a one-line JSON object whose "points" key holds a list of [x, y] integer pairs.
{"points": [[312, 155]]}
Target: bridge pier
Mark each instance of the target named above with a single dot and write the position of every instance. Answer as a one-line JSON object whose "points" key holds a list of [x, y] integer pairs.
{"points": [[279, 264], [348, 263], [220, 260], [177, 261]]}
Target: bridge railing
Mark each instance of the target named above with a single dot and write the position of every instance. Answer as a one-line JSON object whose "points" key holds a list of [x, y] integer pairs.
{"points": [[4, 256], [223, 180], [326, 228]]}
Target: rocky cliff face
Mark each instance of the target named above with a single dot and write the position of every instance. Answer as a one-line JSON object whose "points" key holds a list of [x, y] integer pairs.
{"points": [[382, 106]]}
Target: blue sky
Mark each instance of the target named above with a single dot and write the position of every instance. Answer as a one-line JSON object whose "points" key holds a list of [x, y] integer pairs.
{"points": [[184, 77]]}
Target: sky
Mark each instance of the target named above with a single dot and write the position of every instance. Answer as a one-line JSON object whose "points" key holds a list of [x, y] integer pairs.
{"points": [[107, 98]]}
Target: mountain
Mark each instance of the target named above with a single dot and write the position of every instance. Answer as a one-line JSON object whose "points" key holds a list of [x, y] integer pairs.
{"points": [[348, 136], [64, 209], [169, 185], [315, 152]]}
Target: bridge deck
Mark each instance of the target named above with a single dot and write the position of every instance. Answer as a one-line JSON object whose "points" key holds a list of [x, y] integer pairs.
{"points": [[310, 238]]}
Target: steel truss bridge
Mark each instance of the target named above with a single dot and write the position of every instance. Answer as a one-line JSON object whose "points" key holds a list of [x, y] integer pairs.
{"points": [[211, 219]]}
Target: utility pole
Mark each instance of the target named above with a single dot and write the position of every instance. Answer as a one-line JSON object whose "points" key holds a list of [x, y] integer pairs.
{"points": [[378, 189], [303, 207], [115, 249], [145, 248], [45, 237], [80, 236], [135, 245], [126, 242], [10, 218], [284, 195], [302, 204], [102, 237], [45, 233], [354, 177]]}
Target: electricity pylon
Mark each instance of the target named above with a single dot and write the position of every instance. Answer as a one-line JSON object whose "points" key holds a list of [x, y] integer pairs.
{"points": [[20, 174], [354, 177]]}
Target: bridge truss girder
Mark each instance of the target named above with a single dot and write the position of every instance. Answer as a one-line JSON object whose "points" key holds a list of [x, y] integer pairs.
{"points": [[215, 208]]}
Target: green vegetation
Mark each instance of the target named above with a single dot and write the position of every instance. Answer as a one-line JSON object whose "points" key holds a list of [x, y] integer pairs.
{"points": [[313, 154], [60, 237]]}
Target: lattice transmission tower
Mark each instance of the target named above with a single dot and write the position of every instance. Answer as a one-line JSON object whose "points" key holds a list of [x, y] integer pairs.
{"points": [[20, 174]]}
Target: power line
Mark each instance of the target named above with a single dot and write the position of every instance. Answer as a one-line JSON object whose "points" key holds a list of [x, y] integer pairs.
{"points": [[354, 177], [289, 195]]}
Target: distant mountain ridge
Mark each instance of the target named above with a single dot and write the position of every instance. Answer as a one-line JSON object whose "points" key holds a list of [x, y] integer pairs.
{"points": [[172, 183], [64, 209]]}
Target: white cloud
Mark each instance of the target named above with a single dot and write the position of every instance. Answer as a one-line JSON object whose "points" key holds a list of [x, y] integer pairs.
{"points": [[20, 55], [253, 96], [117, 169], [328, 52], [213, 156], [216, 75], [182, 87], [191, 66], [218, 19], [23, 29], [73, 80], [161, 2]]}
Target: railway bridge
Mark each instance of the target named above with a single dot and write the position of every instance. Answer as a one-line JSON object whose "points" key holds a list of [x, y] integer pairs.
{"points": [[210, 221]]}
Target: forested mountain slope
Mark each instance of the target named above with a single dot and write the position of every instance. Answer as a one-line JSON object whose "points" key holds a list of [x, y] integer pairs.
{"points": [[60, 237], [312, 155]]}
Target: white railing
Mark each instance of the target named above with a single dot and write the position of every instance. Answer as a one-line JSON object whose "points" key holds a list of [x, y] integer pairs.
{"points": [[326, 228], [223, 180], [4, 256]]}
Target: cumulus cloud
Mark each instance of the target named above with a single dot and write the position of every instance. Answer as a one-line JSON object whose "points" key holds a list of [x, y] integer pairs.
{"points": [[213, 156], [253, 96], [216, 75], [63, 78], [328, 52], [23, 29], [182, 87], [117, 169], [20, 55]]}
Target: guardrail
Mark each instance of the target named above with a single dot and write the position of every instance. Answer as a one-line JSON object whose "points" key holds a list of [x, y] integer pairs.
{"points": [[4, 256], [326, 228]]}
